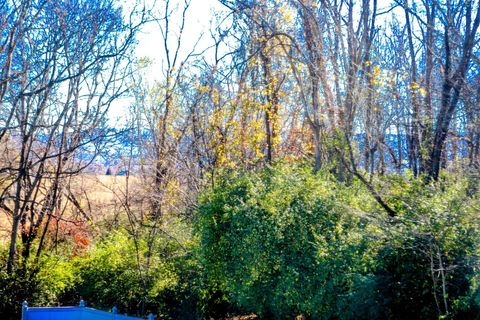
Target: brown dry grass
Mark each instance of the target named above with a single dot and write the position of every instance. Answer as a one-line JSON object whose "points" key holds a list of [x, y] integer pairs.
{"points": [[99, 196]]}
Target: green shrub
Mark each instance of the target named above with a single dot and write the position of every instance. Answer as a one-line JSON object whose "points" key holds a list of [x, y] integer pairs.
{"points": [[278, 243], [429, 261], [138, 276], [282, 241], [41, 284]]}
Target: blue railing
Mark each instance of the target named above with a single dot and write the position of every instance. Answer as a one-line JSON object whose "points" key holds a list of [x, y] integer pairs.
{"points": [[73, 313]]}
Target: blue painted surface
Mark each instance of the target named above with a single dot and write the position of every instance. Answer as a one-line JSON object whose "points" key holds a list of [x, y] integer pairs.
{"points": [[73, 313]]}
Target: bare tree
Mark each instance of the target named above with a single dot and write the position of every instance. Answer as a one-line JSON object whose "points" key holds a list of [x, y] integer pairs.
{"points": [[68, 67]]}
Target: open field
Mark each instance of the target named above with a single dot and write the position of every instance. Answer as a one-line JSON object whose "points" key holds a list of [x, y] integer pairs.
{"points": [[92, 198]]}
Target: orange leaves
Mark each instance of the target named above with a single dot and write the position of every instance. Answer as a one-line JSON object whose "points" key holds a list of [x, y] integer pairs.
{"points": [[81, 240], [75, 233]]}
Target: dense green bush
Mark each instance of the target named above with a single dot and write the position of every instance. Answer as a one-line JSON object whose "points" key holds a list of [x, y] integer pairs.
{"points": [[138, 276], [13, 290], [430, 258], [41, 283], [279, 242], [282, 241]]}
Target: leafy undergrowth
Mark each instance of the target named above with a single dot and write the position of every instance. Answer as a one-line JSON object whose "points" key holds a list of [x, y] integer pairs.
{"points": [[277, 243]]}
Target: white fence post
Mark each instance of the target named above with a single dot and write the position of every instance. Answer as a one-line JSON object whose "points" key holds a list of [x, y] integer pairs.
{"points": [[24, 310]]}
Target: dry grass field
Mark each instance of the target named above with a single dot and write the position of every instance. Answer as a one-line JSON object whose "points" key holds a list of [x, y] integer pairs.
{"points": [[91, 198]]}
